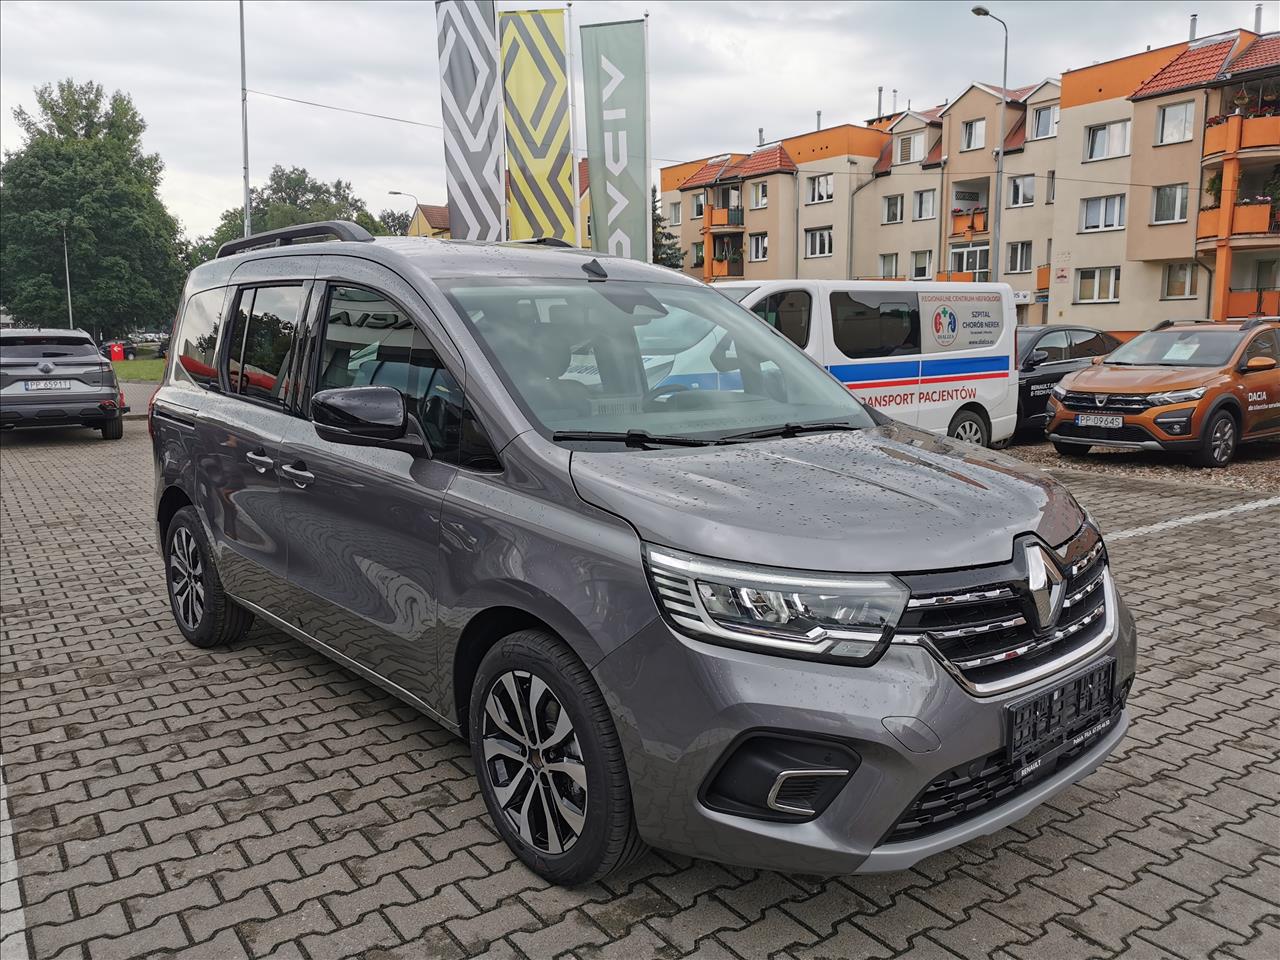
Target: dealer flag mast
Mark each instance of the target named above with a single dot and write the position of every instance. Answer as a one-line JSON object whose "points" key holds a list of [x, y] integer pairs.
{"points": [[573, 128]]}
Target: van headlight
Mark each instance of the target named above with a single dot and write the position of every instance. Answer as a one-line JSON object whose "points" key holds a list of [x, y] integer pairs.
{"points": [[1175, 396], [842, 618]]}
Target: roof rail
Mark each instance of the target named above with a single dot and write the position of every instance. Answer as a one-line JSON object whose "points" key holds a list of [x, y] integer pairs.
{"points": [[1256, 322], [340, 229], [545, 242], [1159, 326]]}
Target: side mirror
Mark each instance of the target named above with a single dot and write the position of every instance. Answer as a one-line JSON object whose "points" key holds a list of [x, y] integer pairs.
{"points": [[1097, 360], [366, 417], [1036, 358], [1260, 363]]}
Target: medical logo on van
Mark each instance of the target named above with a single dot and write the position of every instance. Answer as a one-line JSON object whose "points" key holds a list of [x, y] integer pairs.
{"points": [[946, 325]]}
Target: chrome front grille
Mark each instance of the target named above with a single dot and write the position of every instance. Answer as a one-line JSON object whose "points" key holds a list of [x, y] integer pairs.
{"points": [[1112, 402]]}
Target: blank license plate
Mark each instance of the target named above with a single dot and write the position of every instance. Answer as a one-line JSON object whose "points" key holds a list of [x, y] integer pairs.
{"points": [[1045, 725], [48, 384], [1098, 420]]}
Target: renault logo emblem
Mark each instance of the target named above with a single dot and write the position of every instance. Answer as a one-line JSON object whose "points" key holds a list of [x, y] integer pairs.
{"points": [[1100, 399], [1044, 584]]}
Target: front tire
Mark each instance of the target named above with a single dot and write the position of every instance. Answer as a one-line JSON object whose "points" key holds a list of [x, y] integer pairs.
{"points": [[968, 427], [549, 762], [201, 608], [1219, 441]]}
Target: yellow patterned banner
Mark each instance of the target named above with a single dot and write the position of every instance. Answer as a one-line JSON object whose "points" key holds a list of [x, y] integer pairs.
{"points": [[536, 91]]}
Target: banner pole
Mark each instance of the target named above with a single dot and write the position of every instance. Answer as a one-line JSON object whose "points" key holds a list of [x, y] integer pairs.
{"points": [[573, 127], [503, 177], [648, 146]]}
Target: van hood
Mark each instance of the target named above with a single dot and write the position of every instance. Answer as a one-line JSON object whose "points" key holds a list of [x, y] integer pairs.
{"points": [[1140, 379], [890, 499]]}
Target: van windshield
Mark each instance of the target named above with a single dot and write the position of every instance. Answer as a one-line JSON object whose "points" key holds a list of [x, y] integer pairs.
{"points": [[1206, 347], [668, 359]]}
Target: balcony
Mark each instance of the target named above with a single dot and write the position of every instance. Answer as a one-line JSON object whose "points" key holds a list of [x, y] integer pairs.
{"points": [[726, 218], [726, 269], [1248, 220], [1042, 277], [968, 222], [956, 276], [1260, 132], [1242, 133], [1245, 303]]}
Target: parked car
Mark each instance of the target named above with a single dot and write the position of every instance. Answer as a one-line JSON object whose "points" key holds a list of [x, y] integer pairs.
{"points": [[56, 378], [753, 620], [130, 348], [1047, 354], [939, 356], [162, 349], [1201, 388]]}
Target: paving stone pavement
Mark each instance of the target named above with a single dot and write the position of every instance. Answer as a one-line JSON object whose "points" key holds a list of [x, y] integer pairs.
{"points": [[263, 801]]}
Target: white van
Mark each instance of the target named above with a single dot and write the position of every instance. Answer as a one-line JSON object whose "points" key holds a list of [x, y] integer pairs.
{"points": [[939, 356]]}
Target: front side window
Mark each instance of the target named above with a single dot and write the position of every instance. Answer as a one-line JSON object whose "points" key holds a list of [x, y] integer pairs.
{"points": [[1102, 213], [1020, 257], [820, 188], [759, 246], [698, 201], [817, 243], [369, 341], [788, 312], [1045, 122], [760, 195], [1056, 344], [1173, 125], [893, 209], [1098, 285], [1263, 345], [1179, 282], [668, 358], [921, 264], [974, 134], [1205, 346], [888, 264], [1170, 203], [1107, 140], [924, 205], [1090, 343], [875, 325], [195, 344], [1022, 190], [673, 213], [261, 340]]}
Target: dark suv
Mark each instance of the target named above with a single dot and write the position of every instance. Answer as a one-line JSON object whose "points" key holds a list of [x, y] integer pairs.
{"points": [[749, 619], [55, 378], [1047, 354]]}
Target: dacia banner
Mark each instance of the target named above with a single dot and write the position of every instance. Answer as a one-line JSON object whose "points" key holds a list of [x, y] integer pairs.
{"points": [[467, 34], [613, 77], [539, 157]]}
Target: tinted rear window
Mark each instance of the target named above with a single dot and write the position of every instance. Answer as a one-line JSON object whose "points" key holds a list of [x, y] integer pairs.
{"points": [[46, 347]]}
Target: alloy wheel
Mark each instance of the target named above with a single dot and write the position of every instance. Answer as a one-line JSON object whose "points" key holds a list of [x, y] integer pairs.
{"points": [[968, 431], [186, 578], [1223, 439], [533, 762]]}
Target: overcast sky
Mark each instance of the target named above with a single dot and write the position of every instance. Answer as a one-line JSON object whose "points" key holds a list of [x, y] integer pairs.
{"points": [[718, 71]]}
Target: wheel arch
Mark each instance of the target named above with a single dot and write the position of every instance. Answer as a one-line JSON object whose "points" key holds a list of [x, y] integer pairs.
{"points": [[171, 501]]}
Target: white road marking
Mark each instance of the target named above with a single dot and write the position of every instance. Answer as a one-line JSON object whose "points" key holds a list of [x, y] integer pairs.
{"points": [[13, 923], [1193, 518]]}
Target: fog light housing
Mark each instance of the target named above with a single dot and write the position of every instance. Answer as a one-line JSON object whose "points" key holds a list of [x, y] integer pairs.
{"points": [[778, 776], [1176, 423]]}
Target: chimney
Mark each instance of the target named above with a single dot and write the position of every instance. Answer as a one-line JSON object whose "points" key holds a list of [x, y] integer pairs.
{"points": [[895, 100], [819, 119], [1194, 18], [1257, 18], [880, 101], [760, 134]]}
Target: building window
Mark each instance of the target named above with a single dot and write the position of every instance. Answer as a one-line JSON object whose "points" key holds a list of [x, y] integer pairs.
{"points": [[1170, 204], [924, 205], [1102, 213], [697, 205], [1106, 140], [817, 243], [698, 256], [1020, 257], [1051, 186], [759, 246], [910, 147], [1022, 191], [893, 209], [888, 265], [1045, 122], [1098, 285], [921, 264], [820, 188], [974, 135], [1179, 282], [673, 213], [1173, 125], [972, 258], [759, 195]]}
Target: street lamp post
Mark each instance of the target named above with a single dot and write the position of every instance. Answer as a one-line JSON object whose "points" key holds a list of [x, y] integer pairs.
{"points": [[66, 270], [404, 193], [981, 11]]}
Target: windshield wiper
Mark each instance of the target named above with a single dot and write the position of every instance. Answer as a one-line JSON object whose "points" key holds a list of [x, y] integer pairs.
{"points": [[632, 438], [791, 430]]}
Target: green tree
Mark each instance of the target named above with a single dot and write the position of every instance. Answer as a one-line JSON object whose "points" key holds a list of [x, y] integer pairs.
{"points": [[666, 246], [82, 169], [395, 223]]}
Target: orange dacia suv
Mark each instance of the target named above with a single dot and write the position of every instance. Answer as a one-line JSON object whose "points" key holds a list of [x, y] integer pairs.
{"points": [[1202, 388]]}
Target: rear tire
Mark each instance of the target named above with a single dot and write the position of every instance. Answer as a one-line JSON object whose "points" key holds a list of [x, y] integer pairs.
{"points": [[1073, 450], [968, 427], [201, 608], [1219, 441], [113, 429], [549, 762]]}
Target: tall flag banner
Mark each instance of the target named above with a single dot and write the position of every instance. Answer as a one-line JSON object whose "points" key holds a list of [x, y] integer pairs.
{"points": [[618, 163], [535, 79], [471, 101]]}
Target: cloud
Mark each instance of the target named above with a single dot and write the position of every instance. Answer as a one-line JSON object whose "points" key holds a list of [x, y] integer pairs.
{"points": [[719, 71]]}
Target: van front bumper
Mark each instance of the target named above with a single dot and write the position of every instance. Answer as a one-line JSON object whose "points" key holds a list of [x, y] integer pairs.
{"points": [[680, 705]]}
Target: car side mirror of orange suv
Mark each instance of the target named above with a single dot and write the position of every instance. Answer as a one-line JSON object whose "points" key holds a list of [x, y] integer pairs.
{"points": [[1260, 363], [1097, 360]]}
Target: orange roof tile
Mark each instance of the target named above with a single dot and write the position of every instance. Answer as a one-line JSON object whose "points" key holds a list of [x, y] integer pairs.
{"points": [[770, 159], [1015, 94], [1017, 136], [935, 155], [1193, 67], [584, 177], [436, 215], [1262, 53], [885, 160], [713, 170]]}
